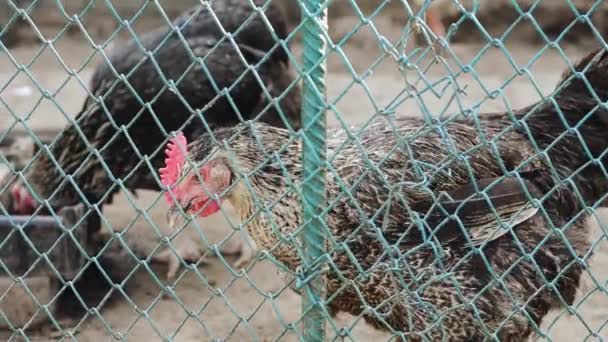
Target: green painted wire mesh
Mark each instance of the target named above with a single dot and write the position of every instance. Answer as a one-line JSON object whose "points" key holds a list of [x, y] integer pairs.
{"points": [[382, 61]]}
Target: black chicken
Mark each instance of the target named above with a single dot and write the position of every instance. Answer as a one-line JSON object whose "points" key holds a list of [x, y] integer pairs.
{"points": [[171, 81]]}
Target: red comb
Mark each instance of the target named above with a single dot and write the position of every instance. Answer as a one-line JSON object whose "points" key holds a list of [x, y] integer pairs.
{"points": [[174, 157]]}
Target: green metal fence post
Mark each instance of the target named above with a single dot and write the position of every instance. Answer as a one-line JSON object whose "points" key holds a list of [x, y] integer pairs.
{"points": [[313, 156]]}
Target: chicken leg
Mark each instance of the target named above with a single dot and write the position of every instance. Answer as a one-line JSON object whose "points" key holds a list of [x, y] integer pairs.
{"points": [[186, 250], [246, 250], [433, 18]]}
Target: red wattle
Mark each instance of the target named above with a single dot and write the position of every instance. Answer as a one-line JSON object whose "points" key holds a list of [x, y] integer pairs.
{"points": [[213, 207]]}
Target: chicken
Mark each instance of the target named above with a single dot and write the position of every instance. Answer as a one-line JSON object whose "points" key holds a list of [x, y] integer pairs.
{"points": [[446, 230], [17, 150], [116, 144]]}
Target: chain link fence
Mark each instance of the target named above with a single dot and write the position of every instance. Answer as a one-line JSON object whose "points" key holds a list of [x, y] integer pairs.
{"points": [[265, 170]]}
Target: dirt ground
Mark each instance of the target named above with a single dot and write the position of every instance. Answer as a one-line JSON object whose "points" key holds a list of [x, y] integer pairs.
{"points": [[215, 303]]}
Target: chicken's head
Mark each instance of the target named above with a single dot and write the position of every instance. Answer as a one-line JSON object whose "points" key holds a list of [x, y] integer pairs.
{"points": [[23, 202], [193, 188]]}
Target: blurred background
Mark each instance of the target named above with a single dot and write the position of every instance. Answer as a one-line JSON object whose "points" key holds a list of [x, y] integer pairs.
{"points": [[500, 54], [60, 41]]}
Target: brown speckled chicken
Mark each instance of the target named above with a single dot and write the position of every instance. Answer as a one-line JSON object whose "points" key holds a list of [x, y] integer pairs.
{"points": [[417, 273], [116, 144]]}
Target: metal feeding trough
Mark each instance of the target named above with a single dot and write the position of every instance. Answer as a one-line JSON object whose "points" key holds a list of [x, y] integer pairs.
{"points": [[35, 252], [29, 244], [38, 253]]}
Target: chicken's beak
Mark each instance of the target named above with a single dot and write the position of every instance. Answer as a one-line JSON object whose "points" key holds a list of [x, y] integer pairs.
{"points": [[172, 216]]}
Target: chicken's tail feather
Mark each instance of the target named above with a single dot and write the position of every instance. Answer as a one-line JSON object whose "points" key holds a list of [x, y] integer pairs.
{"points": [[571, 126], [585, 86], [580, 101]]}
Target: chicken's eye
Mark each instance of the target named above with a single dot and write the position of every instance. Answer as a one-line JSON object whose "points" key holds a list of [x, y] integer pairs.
{"points": [[193, 180]]}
